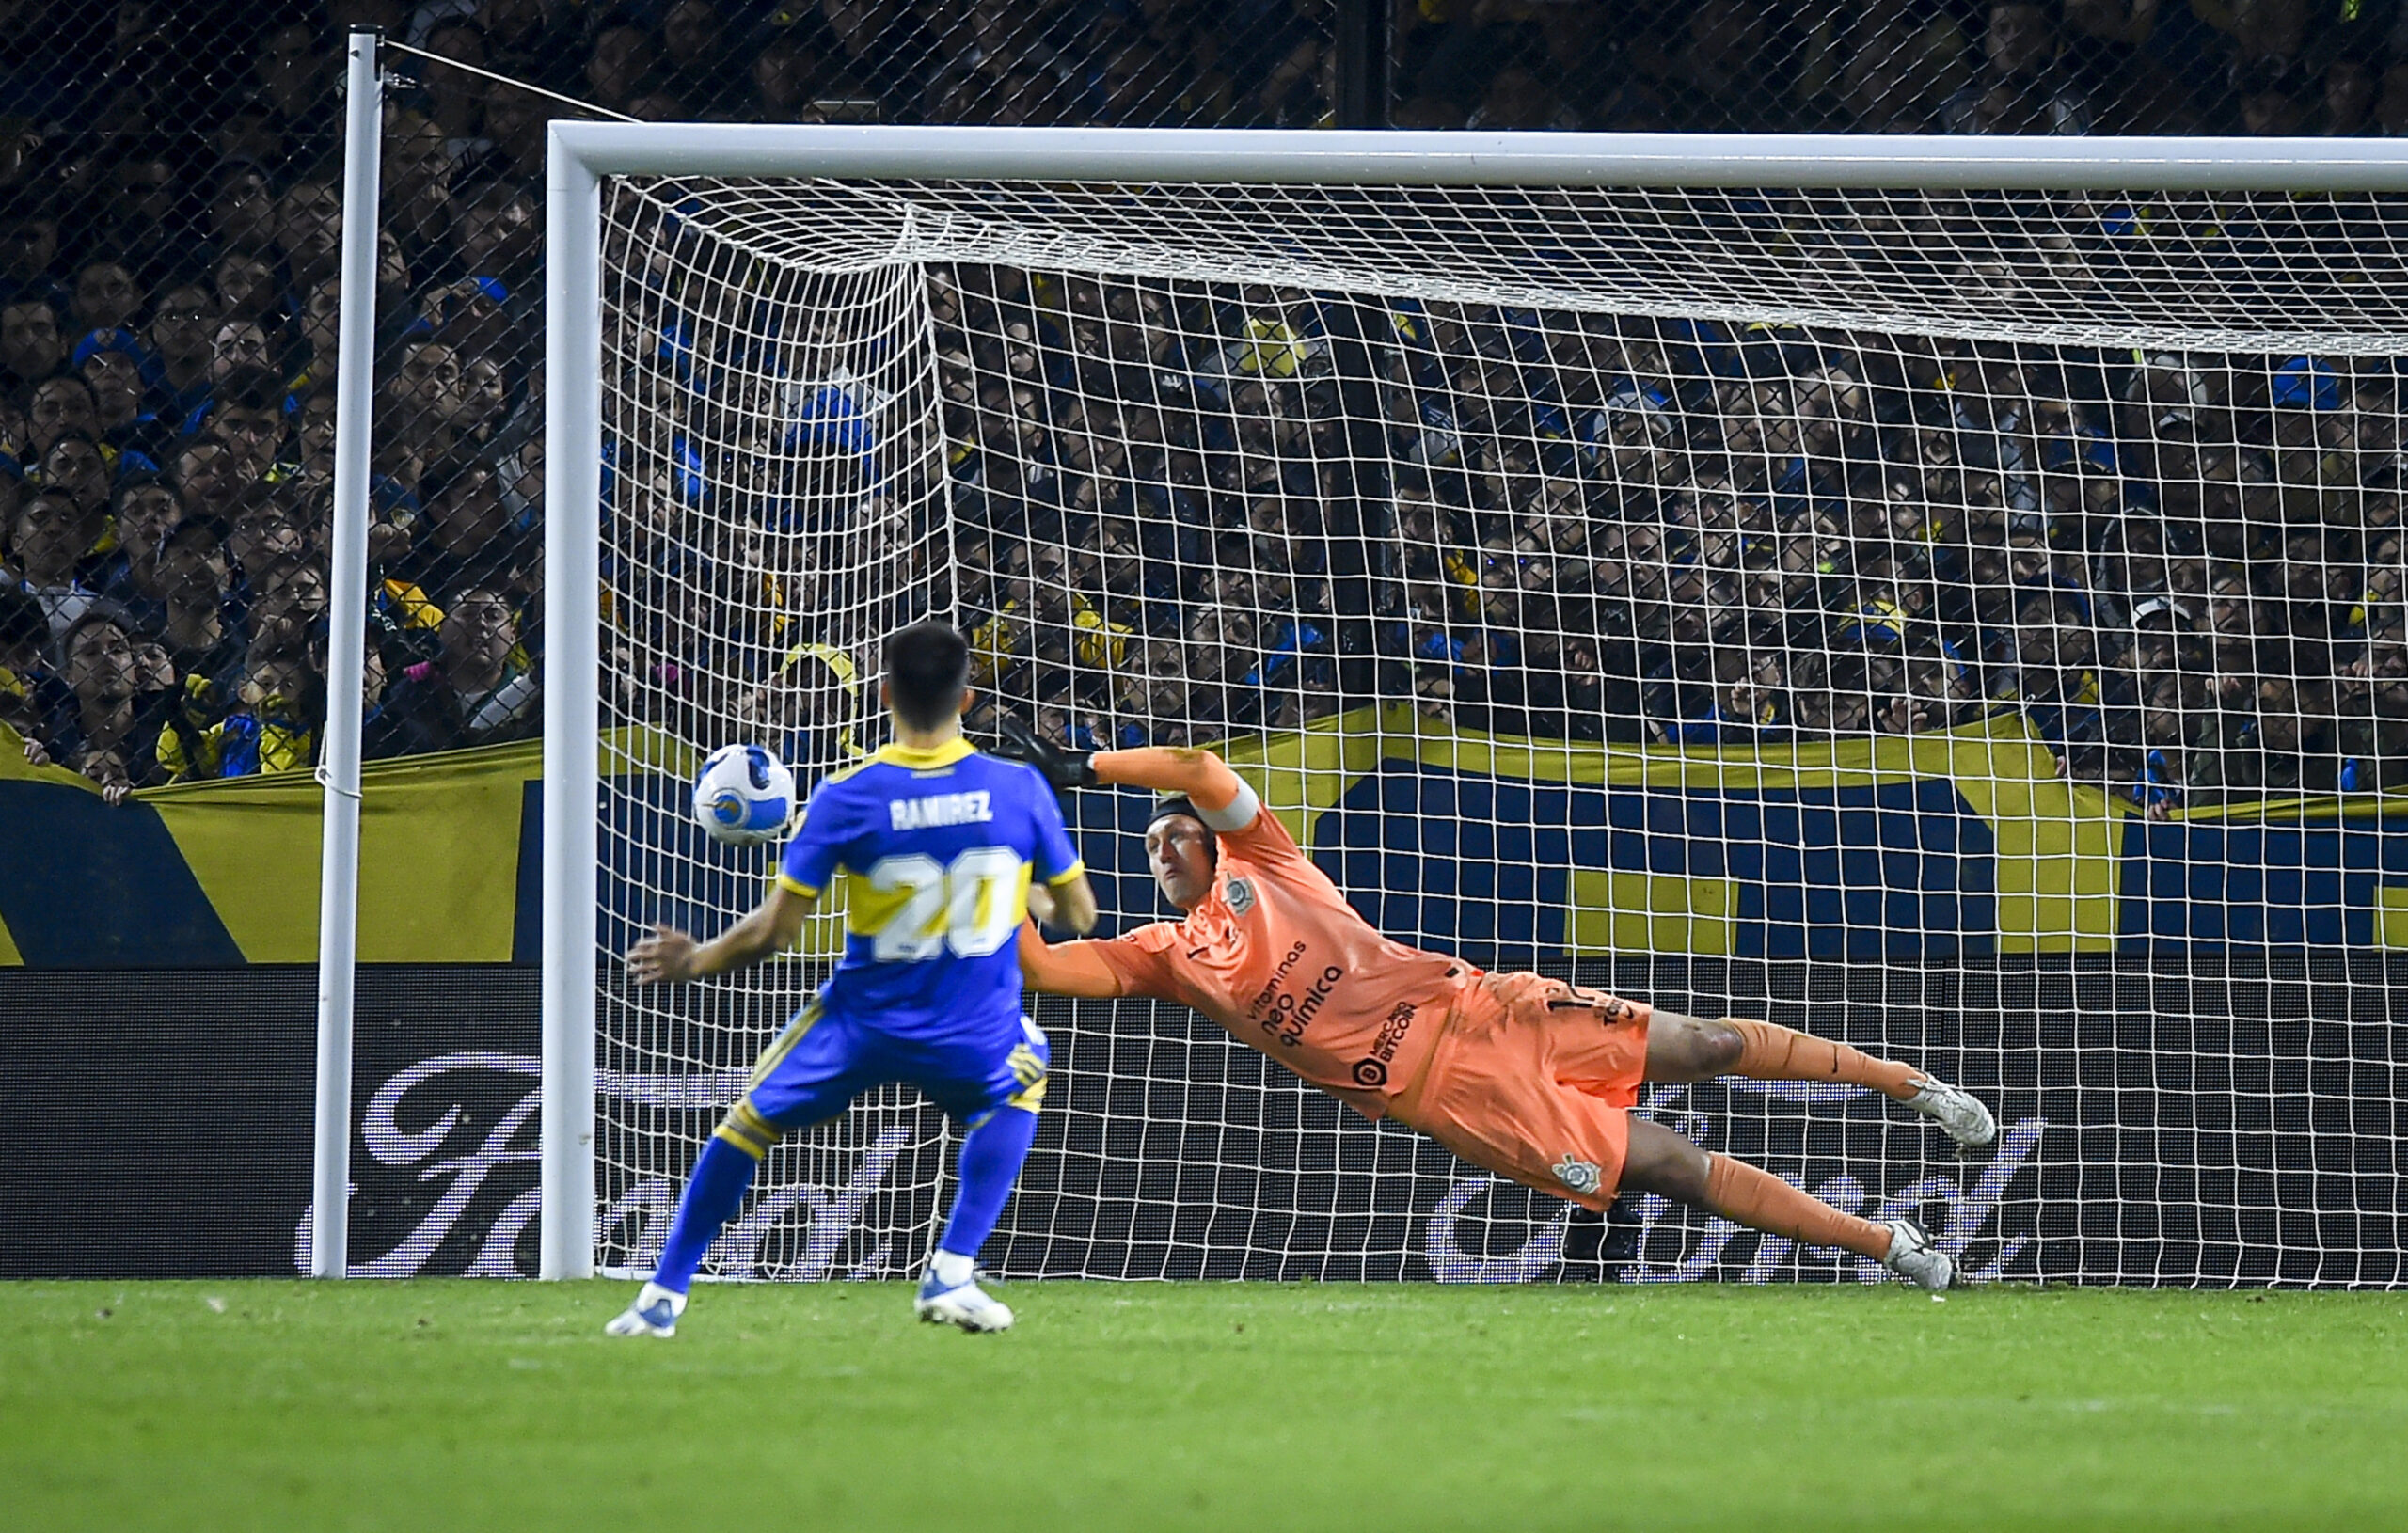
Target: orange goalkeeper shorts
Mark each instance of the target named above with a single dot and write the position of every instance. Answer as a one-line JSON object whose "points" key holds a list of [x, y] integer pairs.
{"points": [[1534, 1080]]}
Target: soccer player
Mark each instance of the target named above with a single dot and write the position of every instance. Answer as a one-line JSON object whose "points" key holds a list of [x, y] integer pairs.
{"points": [[934, 843], [1528, 1077]]}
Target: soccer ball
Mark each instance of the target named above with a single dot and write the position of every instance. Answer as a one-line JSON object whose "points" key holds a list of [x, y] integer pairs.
{"points": [[744, 795]]}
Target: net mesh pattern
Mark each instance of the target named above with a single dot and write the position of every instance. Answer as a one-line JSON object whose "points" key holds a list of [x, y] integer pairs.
{"points": [[1797, 585]]}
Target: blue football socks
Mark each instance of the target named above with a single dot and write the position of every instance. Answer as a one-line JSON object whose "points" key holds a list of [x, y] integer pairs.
{"points": [[990, 1157], [712, 1195]]}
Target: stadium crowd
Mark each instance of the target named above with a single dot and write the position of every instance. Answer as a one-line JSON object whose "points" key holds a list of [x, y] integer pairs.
{"points": [[1698, 537], [2186, 574]]}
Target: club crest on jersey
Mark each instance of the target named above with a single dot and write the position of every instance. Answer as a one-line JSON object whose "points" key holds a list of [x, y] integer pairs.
{"points": [[1240, 896], [1582, 1177]]}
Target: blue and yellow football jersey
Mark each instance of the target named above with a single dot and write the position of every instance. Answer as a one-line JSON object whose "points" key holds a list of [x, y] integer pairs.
{"points": [[933, 851]]}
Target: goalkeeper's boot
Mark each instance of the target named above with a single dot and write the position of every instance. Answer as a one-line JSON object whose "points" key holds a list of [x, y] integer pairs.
{"points": [[1959, 1114], [653, 1314], [1913, 1256], [965, 1305]]}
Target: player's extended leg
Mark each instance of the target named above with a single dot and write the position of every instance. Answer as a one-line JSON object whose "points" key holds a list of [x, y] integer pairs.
{"points": [[1660, 1160], [807, 1075], [1002, 1127], [1695, 1049]]}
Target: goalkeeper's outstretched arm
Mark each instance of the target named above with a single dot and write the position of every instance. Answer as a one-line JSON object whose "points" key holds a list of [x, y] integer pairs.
{"points": [[1073, 969], [1203, 776]]}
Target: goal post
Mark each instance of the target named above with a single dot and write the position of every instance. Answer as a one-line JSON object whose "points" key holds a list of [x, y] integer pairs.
{"points": [[799, 267]]}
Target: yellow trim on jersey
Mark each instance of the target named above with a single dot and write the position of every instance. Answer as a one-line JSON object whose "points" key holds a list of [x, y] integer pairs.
{"points": [[924, 761], [795, 886], [868, 910], [1075, 869], [781, 1046]]}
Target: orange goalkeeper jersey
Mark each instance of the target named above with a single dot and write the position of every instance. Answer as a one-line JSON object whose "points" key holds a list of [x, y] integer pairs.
{"points": [[1277, 955]]}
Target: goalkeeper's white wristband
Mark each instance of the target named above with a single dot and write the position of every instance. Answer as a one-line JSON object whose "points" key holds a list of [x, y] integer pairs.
{"points": [[1236, 814]]}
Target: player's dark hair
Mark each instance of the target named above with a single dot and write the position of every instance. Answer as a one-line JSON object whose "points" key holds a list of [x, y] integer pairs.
{"points": [[927, 671]]}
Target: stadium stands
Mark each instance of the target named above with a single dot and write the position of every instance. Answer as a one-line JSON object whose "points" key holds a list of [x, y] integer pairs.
{"points": [[1766, 536]]}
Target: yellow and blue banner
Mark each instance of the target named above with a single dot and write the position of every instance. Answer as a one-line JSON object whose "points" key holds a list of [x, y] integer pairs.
{"points": [[1505, 851]]}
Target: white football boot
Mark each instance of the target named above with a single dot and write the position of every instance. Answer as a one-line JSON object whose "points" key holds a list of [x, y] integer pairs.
{"points": [[1959, 1114], [654, 1313], [965, 1305], [1913, 1256]]}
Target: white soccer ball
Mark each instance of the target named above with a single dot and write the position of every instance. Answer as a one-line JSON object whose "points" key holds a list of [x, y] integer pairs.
{"points": [[744, 795]]}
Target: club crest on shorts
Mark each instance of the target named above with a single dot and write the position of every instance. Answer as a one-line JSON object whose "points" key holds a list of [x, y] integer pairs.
{"points": [[1582, 1177], [1241, 896]]}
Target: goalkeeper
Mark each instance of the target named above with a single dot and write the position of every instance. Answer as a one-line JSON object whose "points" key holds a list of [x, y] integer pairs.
{"points": [[1531, 1078]]}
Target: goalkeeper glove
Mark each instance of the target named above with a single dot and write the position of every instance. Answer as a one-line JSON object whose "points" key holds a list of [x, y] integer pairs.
{"points": [[1060, 766]]}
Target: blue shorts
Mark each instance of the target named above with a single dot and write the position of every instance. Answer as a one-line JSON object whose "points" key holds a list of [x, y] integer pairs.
{"points": [[823, 1060]]}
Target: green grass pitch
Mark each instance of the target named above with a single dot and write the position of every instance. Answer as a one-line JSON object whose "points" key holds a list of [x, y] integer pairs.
{"points": [[459, 1406]]}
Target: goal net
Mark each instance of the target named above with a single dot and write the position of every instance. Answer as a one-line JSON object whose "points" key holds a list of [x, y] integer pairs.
{"points": [[1968, 623]]}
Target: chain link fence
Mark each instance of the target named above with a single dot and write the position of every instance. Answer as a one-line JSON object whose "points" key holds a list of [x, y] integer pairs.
{"points": [[170, 198]]}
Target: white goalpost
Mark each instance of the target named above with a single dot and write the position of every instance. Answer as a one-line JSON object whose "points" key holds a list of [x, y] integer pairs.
{"points": [[1789, 573]]}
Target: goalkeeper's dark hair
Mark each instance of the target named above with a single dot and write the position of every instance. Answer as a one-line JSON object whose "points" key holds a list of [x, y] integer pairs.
{"points": [[1184, 807], [927, 671]]}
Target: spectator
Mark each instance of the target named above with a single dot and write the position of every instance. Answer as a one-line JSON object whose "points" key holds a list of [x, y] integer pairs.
{"points": [[206, 478], [31, 344], [2021, 87], [106, 298], [182, 322], [121, 408], [2348, 108], [47, 544], [103, 725], [471, 693], [74, 465], [694, 64], [465, 541], [28, 253], [145, 508], [417, 182], [261, 534], [515, 127], [423, 400], [141, 211], [2391, 101], [287, 605], [498, 233], [620, 68], [28, 692], [294, 80], [236, 343], [200, 632], [455, 97], [2270, 106], [61, 405], [274, 724], [309, 232], [247, 418], [242, 211], [246, 287]]}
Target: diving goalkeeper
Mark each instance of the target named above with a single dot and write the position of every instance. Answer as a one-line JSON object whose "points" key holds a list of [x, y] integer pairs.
{"points": [[1528, 1077]]}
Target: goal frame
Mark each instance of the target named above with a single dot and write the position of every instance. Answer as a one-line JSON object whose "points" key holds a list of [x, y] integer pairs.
{"points": [[580, 153]]}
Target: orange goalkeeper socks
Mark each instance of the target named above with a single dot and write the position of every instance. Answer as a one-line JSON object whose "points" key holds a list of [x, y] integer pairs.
{"points": [[1761, 1200], [1769, 1051]]}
